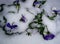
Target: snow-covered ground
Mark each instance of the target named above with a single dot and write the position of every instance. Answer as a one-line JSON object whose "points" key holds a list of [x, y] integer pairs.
{"points": [[35, 38]]}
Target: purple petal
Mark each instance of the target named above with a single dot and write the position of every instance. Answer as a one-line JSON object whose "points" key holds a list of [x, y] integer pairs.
{"points": [[17, 0], [8, 25], [14, 26], [11, 26], [49, 37], [23, 19], [56, 11], [36, 3]]}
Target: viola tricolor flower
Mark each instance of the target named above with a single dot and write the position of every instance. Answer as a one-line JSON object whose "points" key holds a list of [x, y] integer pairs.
{"points": [[49, 36], [11, 26], [23, 19]]}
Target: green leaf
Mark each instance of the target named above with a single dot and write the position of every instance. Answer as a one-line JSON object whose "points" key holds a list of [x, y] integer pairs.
{"points": [[28, 33], [4, 19], [41, 30], [30, 25], [39, 15], [1, 6], [11, 12], [51, 17], [43, 2], [10, 34], [17, 5]]}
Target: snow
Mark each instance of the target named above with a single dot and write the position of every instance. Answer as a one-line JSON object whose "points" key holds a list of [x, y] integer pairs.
{"points": [[35, 38]]}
